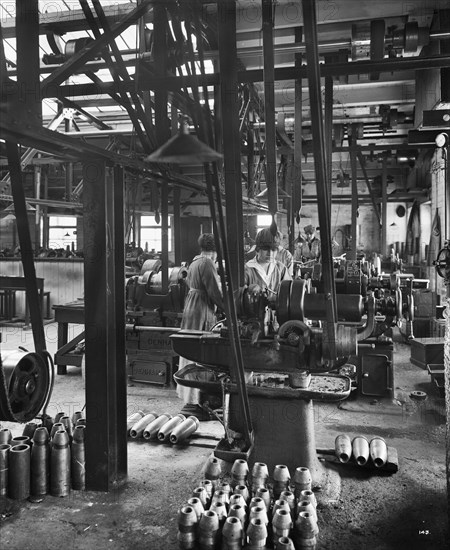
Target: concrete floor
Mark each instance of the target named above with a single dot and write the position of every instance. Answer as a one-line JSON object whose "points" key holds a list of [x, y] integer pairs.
{"points": [[374, 510]]}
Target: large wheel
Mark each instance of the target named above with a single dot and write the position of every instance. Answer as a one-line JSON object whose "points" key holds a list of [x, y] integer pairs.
{"points": [[25, 385]]}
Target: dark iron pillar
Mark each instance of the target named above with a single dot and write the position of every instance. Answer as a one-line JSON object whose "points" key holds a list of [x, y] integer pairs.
{"points": [[269, 105], [162, 129], [104, 296], [231, 139], [312, 56], [27, 32]]}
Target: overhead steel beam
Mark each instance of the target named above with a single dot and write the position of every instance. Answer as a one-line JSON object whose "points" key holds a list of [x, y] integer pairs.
{"points": [[62, 21], [74, 149], [79, 59], [124, 75], [291, 73], [118, 70], [44, 202], [69, 104], [149, 81]]}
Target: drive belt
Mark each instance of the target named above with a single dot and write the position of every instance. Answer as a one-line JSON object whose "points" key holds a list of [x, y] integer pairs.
{"points": [[6, 412]]}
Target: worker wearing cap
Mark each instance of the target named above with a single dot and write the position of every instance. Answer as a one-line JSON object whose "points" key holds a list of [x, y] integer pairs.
{"points": [[309, 249], [264, 270]]}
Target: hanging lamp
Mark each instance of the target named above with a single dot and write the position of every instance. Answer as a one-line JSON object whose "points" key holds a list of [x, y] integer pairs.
{"points": [[184, 149]]}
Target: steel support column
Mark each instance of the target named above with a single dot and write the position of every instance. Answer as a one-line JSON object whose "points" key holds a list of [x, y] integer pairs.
{"points": [[354, 229], [297, 190], [162, 130], [312, 56], [384, 207], [103, 219], [269, 106], [226, 12], [177, 226], [27, 29], [329, 130]]}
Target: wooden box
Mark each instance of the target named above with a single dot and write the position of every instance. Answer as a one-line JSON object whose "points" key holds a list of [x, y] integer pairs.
{"points": [[426, 351]]}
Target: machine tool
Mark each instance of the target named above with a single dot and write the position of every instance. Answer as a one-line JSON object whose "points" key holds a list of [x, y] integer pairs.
{"points": [[151, 317], [285, 341]]}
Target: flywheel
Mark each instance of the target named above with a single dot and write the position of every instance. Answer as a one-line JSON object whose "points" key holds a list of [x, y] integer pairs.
{"points": [[25, 384]]}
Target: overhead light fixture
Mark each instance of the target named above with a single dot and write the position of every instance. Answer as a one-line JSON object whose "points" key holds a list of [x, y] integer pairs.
{"points": [[184, 149], [393, 224], [67, 234]]}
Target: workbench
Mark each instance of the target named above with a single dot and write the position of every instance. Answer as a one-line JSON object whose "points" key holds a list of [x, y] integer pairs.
{"points": [[9, 285], [65, 314]]}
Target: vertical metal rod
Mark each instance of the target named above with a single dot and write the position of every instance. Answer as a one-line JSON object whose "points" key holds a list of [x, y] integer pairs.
{"points": [[37, 217], [177, 226], [298, 143], [354, 228], [231, 138], [27, 30], [384, 207], [369, 186], [329, 131], [116, 336], [106, 455], [269, 106], [162, 129], [312, 55], [250, 159], [236, 361]]}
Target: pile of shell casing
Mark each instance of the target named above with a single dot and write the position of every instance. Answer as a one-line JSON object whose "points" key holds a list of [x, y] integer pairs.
{"points": [[48, 458], [361, 451], [164, 428], [250, 510]]}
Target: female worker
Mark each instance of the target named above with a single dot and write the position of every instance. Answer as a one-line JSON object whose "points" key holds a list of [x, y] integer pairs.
{"points": [[264, 270], [200, 307]]}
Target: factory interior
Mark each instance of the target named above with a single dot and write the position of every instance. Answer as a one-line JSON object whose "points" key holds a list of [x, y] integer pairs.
{"points": [[224, 273]]}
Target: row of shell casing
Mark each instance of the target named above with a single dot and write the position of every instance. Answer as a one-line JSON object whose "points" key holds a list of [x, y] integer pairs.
{"points": [[250, 510], [360, 450], [45, 463], [164, 428]]}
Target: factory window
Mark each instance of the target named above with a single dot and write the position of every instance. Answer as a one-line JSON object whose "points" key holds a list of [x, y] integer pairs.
{"points": [[263, 220], [151, 234], [62, 231]]}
